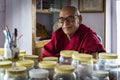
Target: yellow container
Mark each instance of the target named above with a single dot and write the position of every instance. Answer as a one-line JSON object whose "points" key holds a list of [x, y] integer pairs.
{"points": [[1, 51], [31, 57], [25, 63], [50, 59]]}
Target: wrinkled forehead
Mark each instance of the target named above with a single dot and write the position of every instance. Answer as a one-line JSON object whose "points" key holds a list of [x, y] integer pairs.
{"points": [[68, 11]]}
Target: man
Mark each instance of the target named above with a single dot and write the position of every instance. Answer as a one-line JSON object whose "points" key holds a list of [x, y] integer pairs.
{"points": [[73, 35]]}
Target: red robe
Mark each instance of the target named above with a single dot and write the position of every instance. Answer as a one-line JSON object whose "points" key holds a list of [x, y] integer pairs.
{"points": [[84, 40]]}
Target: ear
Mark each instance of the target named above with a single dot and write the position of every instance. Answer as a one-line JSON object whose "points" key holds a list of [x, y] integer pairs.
{"points": [[80, 19]]}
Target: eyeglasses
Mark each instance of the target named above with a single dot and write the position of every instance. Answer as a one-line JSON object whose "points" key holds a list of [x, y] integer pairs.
{"points": [[69, 18]]}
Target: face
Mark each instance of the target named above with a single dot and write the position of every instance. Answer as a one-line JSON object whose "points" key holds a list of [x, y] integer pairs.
{"points": [[69, 22]]}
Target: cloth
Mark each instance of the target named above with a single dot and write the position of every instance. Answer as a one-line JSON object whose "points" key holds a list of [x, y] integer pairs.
{"points": [[84, 40]]}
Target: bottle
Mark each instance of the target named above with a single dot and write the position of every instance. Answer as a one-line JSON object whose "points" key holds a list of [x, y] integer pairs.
{"points": [[66, 56], [48, 65], [64, 72], [83, 65], [108, 62], [16, 73]]}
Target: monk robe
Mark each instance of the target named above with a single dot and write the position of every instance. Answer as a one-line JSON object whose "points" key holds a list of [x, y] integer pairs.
{"points": [[84, 40]]}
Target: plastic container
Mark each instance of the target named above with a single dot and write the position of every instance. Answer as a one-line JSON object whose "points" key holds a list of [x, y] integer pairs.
{"points": [[3, 66], [26, 63], [38, 74], [34, 58], [50, 59], [64, 72], [108, 62], [66, 56], [83, 65], [16, 73], [100, 75], [48, 65]]}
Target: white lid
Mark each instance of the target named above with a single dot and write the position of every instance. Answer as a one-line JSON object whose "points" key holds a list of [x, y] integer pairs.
{"points": [[38, 73], [100, 73]]}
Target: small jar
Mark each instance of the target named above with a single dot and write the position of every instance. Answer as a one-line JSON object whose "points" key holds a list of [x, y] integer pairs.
{"points": [[64, 72], [66, 56], [26, 63], [38, 74], [48, 65], [16, 73], [108, 62], [100, 75], [83, 65], [3, 66], [50, 59], [34, 58]]}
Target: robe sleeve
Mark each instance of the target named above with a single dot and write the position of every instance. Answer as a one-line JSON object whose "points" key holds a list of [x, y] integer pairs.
{"points": [[92, 45], [50, 48]]}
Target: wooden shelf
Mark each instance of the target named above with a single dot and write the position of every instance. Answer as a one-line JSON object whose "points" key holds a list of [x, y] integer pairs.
{"points": [[44, 11]]}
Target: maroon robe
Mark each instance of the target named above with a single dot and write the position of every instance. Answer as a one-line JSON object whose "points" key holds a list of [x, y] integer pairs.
{"points": [[84, 40]]}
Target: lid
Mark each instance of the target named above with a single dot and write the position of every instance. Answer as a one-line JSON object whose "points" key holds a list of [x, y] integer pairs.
{"points": [[47, 64], [67, 53], [64, 69], [100, 73], [22, 52], [38, 73], [82, 57], [1, 50], [5, 64], [31, 57], [16, 70], [50, 59], [108, 55], [25, 63]]}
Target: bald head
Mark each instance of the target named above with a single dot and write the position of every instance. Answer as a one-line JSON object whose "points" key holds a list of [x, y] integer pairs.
{"points": [[70, 10]]}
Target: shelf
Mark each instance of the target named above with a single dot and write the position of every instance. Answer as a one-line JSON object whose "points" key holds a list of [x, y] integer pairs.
{"points": [[44, 11], [48, 11]]}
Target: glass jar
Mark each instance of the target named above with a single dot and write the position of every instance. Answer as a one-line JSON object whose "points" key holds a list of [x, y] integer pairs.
{"points": [[50, 59], [16, 73], [3, 66], [108, 62], [100, 75], [48, 65], [1, 53], [26, 63], [66, 56], [83, 65], [64, 72], [34, 58], [38, 74]]}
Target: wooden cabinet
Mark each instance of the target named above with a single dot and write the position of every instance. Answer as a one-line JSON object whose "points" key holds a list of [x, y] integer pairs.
{"points": [[44, 15]]}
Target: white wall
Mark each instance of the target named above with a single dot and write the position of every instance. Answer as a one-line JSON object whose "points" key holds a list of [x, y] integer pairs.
{"points": [[2, 22], [18, 15], [95, 21]]}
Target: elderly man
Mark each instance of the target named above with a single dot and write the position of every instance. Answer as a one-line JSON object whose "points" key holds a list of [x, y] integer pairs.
{"points": [[73, 35]]}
